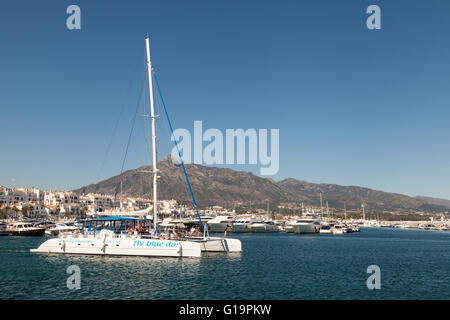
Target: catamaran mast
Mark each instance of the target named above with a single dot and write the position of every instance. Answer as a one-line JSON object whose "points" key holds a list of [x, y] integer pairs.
{"points": [[152, 115]]}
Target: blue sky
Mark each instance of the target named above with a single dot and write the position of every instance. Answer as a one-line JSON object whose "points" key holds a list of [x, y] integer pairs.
{"points": [[354, 106]]}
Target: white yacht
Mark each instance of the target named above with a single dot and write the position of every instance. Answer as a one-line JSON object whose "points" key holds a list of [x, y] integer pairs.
{"points": [[171, 223], [220, 224], [338, 229], [347, 229], [61, 227], [289, 226], [4, 229], [243, 225], [264, 226], [24, 229], [325, 229], [305, 225]]}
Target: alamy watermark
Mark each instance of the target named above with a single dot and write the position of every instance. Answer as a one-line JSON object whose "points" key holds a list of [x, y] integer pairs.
{"points": [[374, 280], [373, 22], [74, 281], [73, 22], [240, 147]]}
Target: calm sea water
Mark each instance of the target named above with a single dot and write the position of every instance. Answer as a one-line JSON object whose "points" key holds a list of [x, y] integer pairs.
{"points": [[415, 264]]}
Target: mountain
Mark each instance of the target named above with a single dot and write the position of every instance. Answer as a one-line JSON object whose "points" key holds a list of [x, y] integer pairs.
{"points": [[436, 201], [229, 188], [354, 196], [210, 185]]}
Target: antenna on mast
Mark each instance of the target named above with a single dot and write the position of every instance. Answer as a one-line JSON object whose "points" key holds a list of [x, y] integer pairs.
{"points": [[321, 206], [345, 210], [364, 213]]}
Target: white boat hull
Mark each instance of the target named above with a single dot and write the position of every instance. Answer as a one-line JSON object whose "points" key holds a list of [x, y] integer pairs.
{"points": [[263, 228], [240, 228], [217, 227], [305, 228], [121, 247], [289, 229]]}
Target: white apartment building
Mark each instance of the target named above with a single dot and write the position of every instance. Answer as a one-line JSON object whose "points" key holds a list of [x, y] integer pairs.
{"points": [[52, 202], [38, 209], [12, 196], [97, 201], [57, 198]]}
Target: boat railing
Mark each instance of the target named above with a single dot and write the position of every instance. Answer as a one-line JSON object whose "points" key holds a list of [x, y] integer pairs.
{"points": [[122, 235]]}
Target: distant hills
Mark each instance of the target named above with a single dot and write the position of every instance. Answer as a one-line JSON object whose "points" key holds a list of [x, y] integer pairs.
{"points": [[436, 201], [353, 197], [228, 188]]}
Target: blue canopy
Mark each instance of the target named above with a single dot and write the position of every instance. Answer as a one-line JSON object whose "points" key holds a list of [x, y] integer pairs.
{"points": [[113, 218]]}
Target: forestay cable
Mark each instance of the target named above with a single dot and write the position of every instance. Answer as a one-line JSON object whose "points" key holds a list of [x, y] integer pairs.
{"points": [[178, 150]]}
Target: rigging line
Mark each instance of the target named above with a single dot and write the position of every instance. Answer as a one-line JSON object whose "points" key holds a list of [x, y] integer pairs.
{"points": [[118, 119], [159, 108], [132, 126], [179, 154]]}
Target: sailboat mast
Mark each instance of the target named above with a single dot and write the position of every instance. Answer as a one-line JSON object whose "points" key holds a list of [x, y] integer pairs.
{"points": [[321, 206], [152, 115]]}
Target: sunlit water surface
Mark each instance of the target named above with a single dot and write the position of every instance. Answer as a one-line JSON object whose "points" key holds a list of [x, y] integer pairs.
{"points": [[415, 264]]}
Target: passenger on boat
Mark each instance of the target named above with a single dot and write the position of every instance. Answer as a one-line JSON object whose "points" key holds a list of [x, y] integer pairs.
{"points": [[175, 233]]}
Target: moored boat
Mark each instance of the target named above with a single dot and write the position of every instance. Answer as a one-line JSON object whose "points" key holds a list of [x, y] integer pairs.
{"points": [[243, 225], [3, 229], [61, 227], [338, 229], [306, 225], [325, 229], [264, 227], [24, 229], [119, 236], [220, 224]]}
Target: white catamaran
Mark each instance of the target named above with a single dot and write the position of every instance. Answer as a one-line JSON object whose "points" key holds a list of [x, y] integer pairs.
{"points": [[112, 239]]}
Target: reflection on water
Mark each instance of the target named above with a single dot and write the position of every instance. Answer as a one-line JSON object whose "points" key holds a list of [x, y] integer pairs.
{"points": [[414, 265]]}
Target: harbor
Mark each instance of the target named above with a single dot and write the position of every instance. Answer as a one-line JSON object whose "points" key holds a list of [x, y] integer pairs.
{"points": [[177, 227]]}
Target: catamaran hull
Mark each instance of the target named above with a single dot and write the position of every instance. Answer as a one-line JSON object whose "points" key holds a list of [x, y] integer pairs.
{"points": [[220, 245], [121, 247]]}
